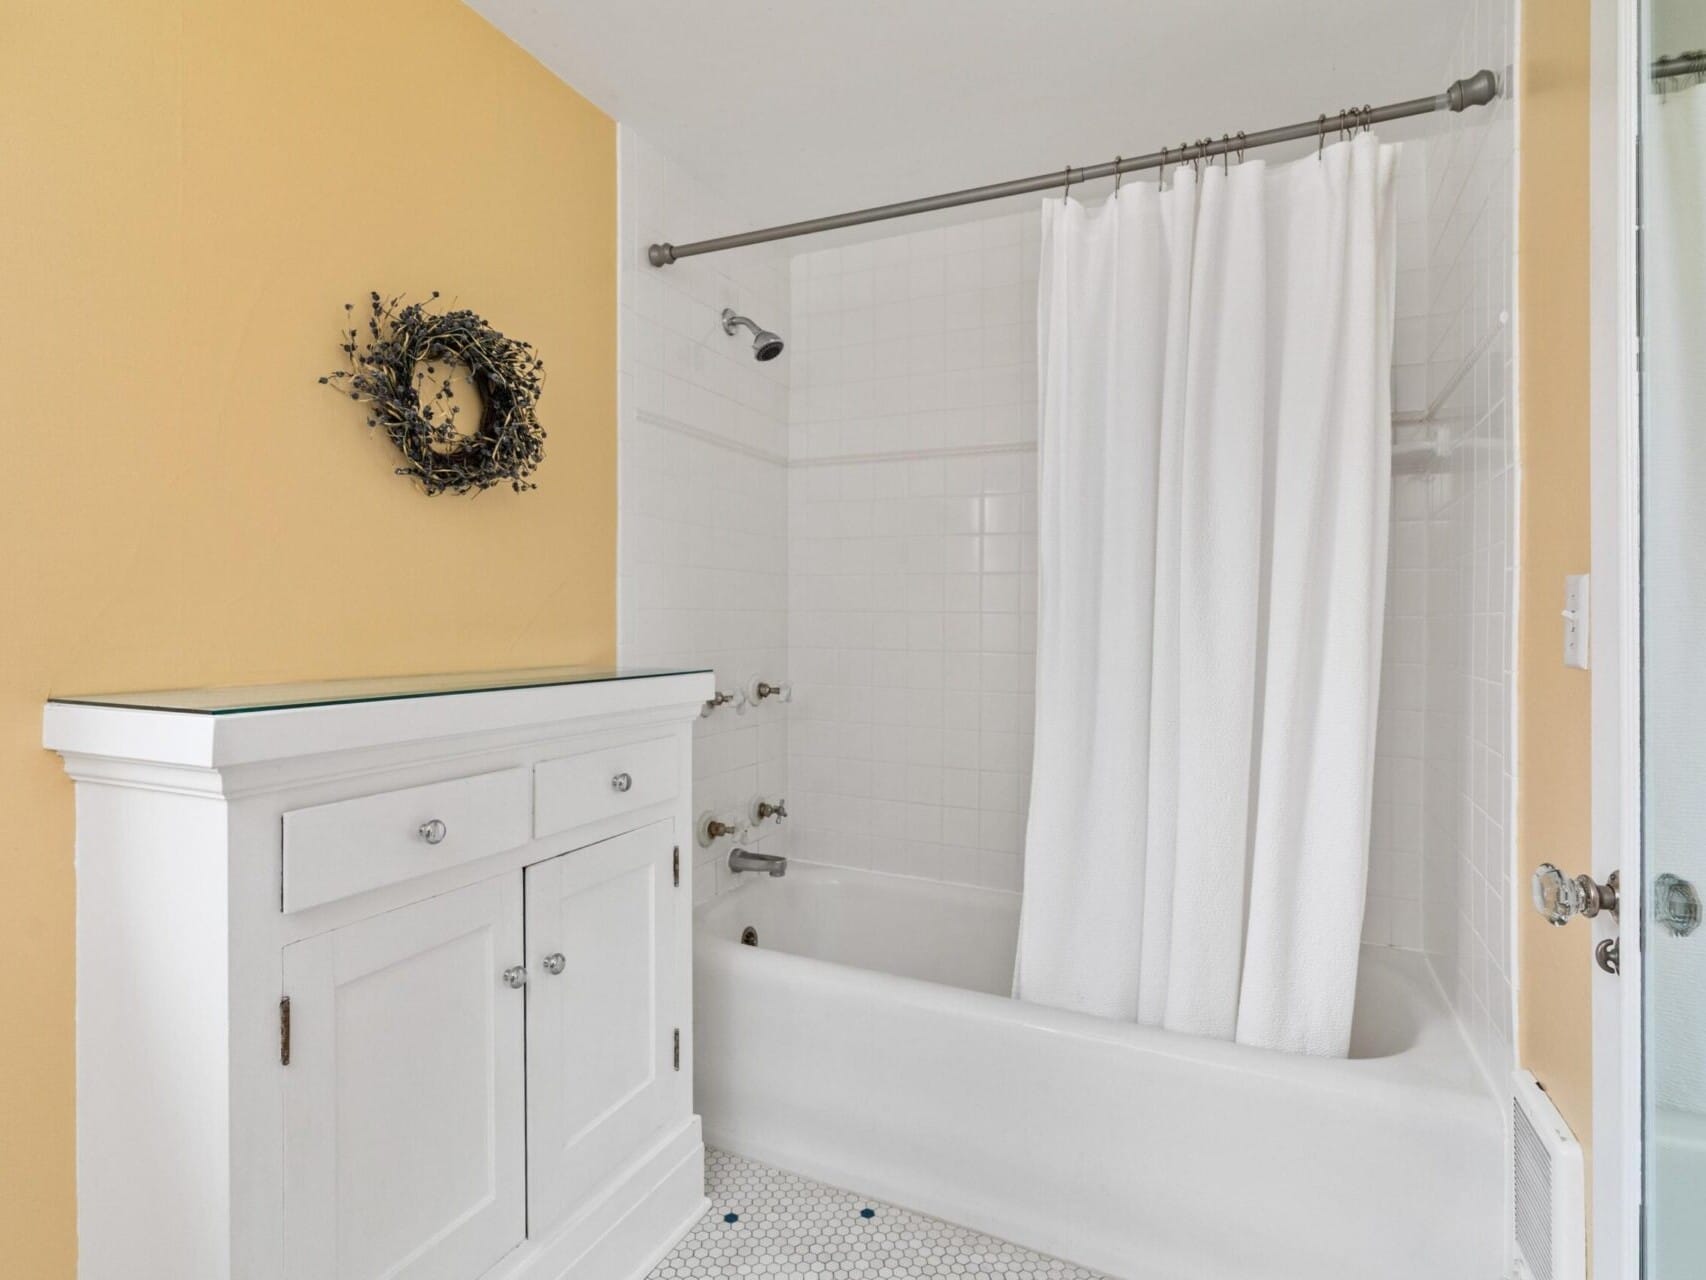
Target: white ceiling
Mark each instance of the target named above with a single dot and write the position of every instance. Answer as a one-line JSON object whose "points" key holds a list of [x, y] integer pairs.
{"points": [[805, 107]]}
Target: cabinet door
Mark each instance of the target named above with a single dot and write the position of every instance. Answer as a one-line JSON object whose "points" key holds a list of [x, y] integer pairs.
{"points": [[404, 1093], [599, 1024]]}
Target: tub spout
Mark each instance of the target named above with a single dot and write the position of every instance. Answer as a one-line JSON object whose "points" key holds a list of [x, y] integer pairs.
{"points": [[746, 860]]}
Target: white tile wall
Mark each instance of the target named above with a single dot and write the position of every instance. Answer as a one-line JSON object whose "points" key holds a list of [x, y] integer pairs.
{"points": [[1469, 765], [702, 548], [912, 552]]}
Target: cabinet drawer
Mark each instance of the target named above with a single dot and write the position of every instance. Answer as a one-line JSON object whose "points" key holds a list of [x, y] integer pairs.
{"points": [[575, 790], [334, 850]]}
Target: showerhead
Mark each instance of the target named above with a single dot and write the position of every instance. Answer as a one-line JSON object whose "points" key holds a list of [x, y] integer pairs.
{"points": [[765, 345]]}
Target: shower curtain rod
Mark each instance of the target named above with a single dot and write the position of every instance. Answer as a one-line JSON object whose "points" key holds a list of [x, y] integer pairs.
{"points": [[1476, 91], [1692, 63]]}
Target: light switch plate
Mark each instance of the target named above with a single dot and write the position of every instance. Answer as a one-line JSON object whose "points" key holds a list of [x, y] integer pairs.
{"points": [[1576, 621]]}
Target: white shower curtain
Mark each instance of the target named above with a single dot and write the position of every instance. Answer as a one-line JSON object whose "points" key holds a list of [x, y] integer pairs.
{"points": [[1214, 483]]}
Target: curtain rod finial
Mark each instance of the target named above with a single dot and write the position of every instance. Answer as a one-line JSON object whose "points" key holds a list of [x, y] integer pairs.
{"points": [[1477, 91], [661, 255]]}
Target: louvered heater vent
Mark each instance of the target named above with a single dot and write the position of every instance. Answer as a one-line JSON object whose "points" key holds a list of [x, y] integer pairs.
{"points": [[1546, 1169]]}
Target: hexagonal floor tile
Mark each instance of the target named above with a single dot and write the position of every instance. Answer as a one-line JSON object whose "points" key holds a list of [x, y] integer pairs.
{"points": [[765, 1224]]}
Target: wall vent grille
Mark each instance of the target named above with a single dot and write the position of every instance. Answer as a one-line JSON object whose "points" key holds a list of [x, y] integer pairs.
{"points": [[1533, 1196], [1546, 1188]]}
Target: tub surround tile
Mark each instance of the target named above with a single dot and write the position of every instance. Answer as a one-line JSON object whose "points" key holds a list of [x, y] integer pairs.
{"points": [[765, 1224], [912, 550], [1466, 598], [702, 544]]}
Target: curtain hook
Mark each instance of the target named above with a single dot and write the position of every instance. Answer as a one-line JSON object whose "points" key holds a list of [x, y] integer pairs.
{"points": [[1320, 134], [1225, 151], [1067, 189], [1368, 117], [1162, 183], [1241, 140], [1117, 176]]}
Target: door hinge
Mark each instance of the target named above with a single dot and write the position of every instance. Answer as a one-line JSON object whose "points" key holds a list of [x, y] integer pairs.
{"points": [[284, 1032], [678, 1048], [675, 866]]}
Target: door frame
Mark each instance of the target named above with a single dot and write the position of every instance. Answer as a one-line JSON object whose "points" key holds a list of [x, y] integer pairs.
{"points": [[1614, 106]]}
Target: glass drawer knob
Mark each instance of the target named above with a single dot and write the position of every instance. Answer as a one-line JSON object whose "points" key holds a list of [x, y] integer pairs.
{"points": [[433, 832], [622, 782]]}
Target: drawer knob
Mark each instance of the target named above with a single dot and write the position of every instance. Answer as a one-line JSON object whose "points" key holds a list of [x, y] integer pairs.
{"points": [[433, 832], [555, 963], [622, 782], [515, 977]]}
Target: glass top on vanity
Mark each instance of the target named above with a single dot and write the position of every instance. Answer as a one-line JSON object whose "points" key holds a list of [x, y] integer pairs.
{"points": [[324, 693]]}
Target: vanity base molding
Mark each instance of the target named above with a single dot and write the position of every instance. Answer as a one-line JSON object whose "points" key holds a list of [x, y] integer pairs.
{"points": [[627, 1233]]}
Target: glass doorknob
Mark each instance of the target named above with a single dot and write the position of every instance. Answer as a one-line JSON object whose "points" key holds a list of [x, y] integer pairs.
{"points": [[1561, 898], [1676, 905]]}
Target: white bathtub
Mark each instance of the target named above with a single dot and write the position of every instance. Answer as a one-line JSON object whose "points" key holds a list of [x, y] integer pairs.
{"points": [[867, 1041]]}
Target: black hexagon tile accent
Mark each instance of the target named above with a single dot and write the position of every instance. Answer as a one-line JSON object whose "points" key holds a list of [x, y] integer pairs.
{"points": [[765, 1224]]}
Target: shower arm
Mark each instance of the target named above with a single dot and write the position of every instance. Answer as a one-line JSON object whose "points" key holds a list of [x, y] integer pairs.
{"points": [[1476, 91]]}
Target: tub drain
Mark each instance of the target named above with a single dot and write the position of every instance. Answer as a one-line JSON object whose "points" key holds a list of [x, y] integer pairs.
{"points": [[749, 937]]}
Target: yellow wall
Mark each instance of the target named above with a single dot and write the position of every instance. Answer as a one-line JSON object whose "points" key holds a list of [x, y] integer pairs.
{"points": [[1554, 966], [189, 192]]}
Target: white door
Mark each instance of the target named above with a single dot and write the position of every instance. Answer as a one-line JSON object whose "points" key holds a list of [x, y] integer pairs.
{"points": [[600, 1028], [1649, 515], [1673, 616], [404, 1092]]}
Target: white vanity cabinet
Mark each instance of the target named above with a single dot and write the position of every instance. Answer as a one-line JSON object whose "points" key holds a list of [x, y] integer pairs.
{"points": [[385, 979]]}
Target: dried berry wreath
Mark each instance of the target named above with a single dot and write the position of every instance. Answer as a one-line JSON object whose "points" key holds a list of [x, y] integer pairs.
{"points": [[405, 370]]}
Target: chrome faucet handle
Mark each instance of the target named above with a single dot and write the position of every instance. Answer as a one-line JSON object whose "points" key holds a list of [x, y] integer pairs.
{"points": [[723, 698], [758, 690], [711, 828], [763, 810]]}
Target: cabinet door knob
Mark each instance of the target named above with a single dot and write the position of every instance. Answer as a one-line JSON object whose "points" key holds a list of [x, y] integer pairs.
{"points": [[555, 963], [433, 832], [515, 977], [622, 782]]}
